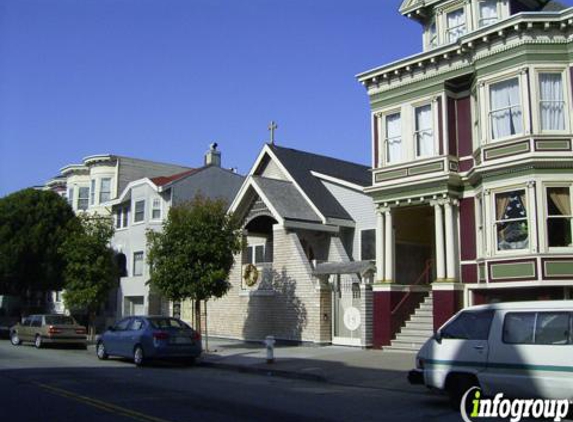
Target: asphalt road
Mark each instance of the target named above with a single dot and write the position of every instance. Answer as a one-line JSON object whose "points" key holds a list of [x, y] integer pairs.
{"points": [[63, 385]]}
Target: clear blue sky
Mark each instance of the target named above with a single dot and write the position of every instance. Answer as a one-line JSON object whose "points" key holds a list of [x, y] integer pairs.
{"points": [[161, 79]]}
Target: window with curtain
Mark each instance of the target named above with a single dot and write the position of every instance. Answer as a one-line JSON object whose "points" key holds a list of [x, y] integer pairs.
{"points": [[551, 101], [506, 115], [92, 192], [393, 138], [138, 263], [456, 22], [487, 12], [559, 217], [83, 198], [512, 230], [104, 190], [424, 134]]}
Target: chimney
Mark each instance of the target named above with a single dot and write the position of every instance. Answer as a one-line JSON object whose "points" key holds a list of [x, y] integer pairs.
{"points": [[213, 157]]}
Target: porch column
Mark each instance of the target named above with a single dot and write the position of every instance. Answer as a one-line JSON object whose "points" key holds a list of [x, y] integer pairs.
{"points": [[439, 228], [389, 248], [451, 254], [379, 245]]}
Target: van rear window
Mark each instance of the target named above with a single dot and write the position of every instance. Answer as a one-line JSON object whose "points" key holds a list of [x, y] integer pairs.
{"points": [[538, 328]]}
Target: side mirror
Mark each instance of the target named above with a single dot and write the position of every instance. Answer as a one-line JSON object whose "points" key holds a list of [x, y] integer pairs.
{"points": [[438, 337]]}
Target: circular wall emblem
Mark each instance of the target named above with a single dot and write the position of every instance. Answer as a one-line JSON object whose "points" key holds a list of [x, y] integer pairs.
{"points": [[352, 318]]}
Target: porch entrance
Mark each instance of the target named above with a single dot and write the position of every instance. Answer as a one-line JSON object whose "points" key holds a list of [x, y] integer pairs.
{"points": [[346, 312]]}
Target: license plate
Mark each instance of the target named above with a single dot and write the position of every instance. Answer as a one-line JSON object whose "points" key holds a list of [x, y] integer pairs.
{"points": [[182, 340]]}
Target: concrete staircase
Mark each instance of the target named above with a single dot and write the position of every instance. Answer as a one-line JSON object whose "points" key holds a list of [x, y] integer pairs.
{"points": [[417, 330]]}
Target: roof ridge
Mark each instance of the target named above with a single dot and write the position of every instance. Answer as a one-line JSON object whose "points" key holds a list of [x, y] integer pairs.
{"points": [[319, 155]]}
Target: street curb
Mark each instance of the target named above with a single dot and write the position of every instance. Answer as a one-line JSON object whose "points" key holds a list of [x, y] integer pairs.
{"points": [[264, 371]]}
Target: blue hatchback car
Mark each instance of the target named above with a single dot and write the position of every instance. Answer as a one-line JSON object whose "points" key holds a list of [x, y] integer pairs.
{"points": [[143, 338]]}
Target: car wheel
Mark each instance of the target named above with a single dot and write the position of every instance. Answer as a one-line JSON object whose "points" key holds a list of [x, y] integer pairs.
{"points": [[100, 351], [38, 341], [15, 339], [138, 357], [457, 387]]}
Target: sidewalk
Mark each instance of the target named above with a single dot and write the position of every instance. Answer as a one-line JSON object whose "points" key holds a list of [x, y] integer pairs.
{"points": [[333, 364]]}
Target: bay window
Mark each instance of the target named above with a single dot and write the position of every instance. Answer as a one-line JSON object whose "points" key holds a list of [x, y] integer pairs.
{"points": [[92, 192], [511, 226], [393, 139], [559, 217], [456, 24], [104, 190], [505, 109], [424, 133], [551, 102], [83, 198], [488, 12]]}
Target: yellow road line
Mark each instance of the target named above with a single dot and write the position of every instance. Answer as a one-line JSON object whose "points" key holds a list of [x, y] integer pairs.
{"points": [[108, 407]]}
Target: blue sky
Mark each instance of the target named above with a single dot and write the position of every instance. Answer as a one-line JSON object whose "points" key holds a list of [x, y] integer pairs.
{"points": [[160, 79]]}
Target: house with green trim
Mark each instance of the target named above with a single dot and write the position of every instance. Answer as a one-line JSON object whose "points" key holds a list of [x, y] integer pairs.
{"points": [[472, 163]]}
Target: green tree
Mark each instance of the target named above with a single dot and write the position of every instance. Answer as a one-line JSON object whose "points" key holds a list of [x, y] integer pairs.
{"points": [[192, 256], [90, 271], [33, 225]]}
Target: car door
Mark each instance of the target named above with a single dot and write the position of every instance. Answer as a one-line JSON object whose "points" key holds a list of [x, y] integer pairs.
{"points": [[133, 335], [24, 329], [460, 346], [114, 338]]}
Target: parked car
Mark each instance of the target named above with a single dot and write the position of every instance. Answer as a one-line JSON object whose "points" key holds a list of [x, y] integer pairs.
{"points": [[48, 329], [522, 349], [143, 338]]}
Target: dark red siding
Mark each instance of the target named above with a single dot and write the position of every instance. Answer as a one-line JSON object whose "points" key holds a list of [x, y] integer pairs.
{"points": [[464, 125], [467, 229], [440, 126], [446, 304], [452, 129], [469, 273]]}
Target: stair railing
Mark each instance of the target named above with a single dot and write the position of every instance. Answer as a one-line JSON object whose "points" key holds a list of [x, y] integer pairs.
{"points": [[424, 277]]}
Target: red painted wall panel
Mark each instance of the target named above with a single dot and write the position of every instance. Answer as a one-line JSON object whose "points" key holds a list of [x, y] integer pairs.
{"points": [[467, 229], [452, 129], [446, 304], [464, 123]]}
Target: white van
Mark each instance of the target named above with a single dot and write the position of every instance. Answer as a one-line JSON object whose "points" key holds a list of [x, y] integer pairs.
{"points": [[521, 349]]}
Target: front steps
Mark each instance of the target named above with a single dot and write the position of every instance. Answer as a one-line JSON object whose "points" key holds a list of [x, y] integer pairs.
{"points": [[417, 330]]}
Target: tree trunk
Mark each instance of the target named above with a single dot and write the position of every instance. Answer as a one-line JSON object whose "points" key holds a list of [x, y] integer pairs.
{"points": [[198, 316]]}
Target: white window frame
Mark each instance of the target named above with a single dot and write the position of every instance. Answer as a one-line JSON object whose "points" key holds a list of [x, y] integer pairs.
{"points": [[153, 208], [254, 247], [360, 242], [87, 198], [432, 38], [536, 97], [478, 17], [385, 139], [494, 221], [484, 101], [433, 129], [133, 267], [135, 213], [92, 191], [448, 30], [70, 196], [546, 215], [102, 192]]}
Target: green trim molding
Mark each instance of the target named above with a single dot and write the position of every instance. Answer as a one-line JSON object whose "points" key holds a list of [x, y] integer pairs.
{"points": [[562, 268], [512, 270]]}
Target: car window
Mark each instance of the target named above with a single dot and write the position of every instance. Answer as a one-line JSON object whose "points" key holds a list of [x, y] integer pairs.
{"points": [[469, 325], [36, 321], [167, 323], [136, 324], [27, 322], [537, 328], [59, 320], [122, 325]]}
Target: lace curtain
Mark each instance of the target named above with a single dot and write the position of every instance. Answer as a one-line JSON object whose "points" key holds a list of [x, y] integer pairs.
{"points": [[394, 138], [424, 132], [552, 101], [487, 12], [505, 105], [456, 24]]}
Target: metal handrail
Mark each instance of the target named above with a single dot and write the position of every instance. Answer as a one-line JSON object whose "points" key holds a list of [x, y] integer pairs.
{"points": [[425, 275]]}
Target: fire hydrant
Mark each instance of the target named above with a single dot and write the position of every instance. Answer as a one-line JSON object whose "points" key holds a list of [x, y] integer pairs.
{"points": [[270, 346]]}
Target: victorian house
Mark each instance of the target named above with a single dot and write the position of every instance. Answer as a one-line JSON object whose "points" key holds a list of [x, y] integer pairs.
{"points": [[306, 270], [143, 205], [472, 164]]}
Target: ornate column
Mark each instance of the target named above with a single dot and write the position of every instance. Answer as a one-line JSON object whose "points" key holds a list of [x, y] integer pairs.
{"points": [[389, 247], [450, 209], [439, 229], [380, 245]]}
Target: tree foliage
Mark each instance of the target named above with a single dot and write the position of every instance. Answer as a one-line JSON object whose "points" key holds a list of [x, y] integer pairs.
{"points": [[33, 226], [90, 271], [192, 256]]}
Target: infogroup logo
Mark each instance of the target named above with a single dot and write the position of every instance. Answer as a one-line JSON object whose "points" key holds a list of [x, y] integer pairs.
{"points": [[512, 409]]}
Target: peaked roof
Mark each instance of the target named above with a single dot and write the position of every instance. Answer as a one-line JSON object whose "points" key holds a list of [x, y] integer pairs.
{"points": [[300, 164]]}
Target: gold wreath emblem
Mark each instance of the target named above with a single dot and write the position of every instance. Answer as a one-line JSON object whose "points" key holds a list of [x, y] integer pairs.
{"points": [[251, 275]]}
